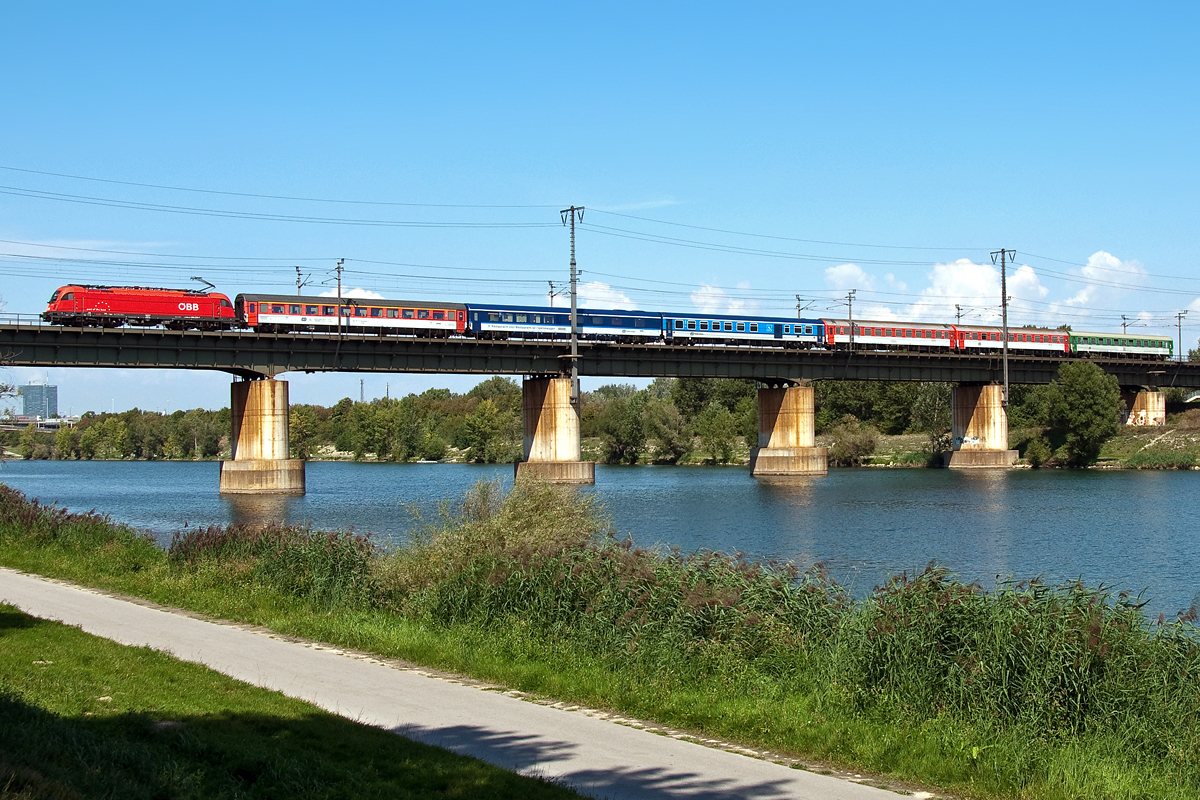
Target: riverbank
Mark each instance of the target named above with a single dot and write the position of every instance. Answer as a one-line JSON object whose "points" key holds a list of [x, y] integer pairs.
{"points": [[1027, 691]]}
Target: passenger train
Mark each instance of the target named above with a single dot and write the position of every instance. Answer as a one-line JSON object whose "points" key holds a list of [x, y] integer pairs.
{"points": [[182, 309]]}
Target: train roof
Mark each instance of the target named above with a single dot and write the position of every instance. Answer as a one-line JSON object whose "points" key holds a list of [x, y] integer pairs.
{"points": [[560, 310], [1011, 328], [346, 301], [1125, 335], [138, 289], [890, 323]]}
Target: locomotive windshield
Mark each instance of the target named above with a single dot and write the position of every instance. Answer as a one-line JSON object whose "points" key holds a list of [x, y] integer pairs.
{"points": [[54, 296]]}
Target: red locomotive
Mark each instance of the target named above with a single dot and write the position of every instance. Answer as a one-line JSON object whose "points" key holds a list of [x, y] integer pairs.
{"points": [[113, 306]]}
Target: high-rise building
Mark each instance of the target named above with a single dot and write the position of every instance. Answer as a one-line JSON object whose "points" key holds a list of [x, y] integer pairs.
{"points": [[39, 400]]}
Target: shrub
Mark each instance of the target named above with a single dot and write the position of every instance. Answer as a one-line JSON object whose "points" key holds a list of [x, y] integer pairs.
{"points": [[1037, 453], [330, 568], [853, 443], [1157, 459]]}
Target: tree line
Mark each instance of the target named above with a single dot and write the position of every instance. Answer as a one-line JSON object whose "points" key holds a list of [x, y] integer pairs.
{"points": [[671, 420]]}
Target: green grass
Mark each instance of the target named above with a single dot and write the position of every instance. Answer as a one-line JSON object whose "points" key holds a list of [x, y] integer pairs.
{"points": [[82, 716], [1023, 692]]}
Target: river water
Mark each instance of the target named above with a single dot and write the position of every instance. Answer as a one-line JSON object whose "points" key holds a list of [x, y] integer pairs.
{"points": [[1130, 530]]}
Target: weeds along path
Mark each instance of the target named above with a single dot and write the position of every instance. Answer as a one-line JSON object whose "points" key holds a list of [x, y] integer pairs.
{"points": [[591, 755]]}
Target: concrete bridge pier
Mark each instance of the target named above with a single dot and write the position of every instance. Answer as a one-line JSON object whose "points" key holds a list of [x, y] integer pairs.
{"points": [[787, 435], [979, 428], [1147, 407], [551, 452], [260, 463]]}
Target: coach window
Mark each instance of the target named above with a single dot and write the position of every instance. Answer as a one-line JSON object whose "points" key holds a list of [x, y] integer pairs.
{"points": [[691, 324], [311, 310], [493, 316], [393, 313], [704, 325], [359, 311], [293, 309], [521, 318], [376, 312], [328, 311], [639, 323], [442, 315], [678, 324], [276, 309], [741, 327], [754, 327], [408, 313]]}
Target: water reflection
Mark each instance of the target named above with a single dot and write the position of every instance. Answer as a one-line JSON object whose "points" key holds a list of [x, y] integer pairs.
{"points": [[797, 491], [260, 509]]}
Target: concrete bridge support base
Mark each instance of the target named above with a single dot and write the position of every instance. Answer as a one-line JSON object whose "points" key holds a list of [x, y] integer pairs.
{"points": [[551, 451], [259, 439], [979, 428], [787, 435], [1146, 408]]}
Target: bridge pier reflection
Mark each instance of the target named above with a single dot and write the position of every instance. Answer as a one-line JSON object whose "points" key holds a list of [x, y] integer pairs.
{"points": [[259, 441], [551, 447], [979, 428], [787, 435]]}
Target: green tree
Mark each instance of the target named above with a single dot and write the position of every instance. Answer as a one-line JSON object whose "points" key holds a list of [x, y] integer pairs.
{"points": [[666, 430], [717, 428], [484, 432], [1029, 406], [1084, 407], [930, 412], [1194, 355], [302, 431], [505, 393], [66, 443], [622, 428], [27, 443]]}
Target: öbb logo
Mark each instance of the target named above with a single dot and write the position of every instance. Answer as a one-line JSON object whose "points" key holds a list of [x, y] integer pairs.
{"points": [[189, 306]]}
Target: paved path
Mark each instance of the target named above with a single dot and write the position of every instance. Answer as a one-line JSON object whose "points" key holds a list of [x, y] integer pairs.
{"points": [[594, 756]]}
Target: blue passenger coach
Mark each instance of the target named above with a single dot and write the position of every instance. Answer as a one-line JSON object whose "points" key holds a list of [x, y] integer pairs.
{"points": [[723, 328], [534, 322]]}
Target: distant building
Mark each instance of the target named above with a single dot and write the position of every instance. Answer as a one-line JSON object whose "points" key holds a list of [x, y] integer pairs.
{"points": [[39, 400]]}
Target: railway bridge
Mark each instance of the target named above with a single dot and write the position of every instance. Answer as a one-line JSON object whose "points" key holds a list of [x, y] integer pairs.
{"points": [[786, 444]]}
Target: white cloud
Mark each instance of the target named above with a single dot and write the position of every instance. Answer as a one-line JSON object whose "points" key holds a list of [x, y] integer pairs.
{"points": [[1105, 268], [844, 277], [362, 294], [595, 294], [1193, 307], [976, 289], [715, 300], [879, 313]]}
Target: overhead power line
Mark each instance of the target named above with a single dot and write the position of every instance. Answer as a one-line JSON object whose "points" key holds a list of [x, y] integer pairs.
{"points": [[266, 196], [216, 212], [787, 238]]}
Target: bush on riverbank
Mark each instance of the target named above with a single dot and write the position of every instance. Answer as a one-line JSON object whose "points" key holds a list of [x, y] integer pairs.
{"points": [[1022, 691]]}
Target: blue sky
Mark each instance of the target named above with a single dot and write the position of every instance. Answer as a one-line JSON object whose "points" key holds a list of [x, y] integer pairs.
{"points": [[885, 149]]}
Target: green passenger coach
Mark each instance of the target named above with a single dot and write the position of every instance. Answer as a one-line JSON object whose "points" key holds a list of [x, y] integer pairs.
{"points": [[1122, 345]]}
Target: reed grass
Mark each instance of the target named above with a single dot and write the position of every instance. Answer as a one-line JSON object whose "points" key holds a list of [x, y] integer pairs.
{"points": [[1023, 690]]}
